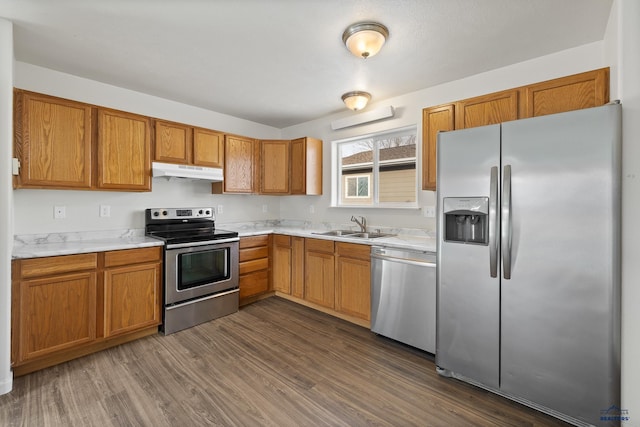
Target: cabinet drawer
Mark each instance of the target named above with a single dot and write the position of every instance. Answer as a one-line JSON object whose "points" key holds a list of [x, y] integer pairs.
{"points": [[132, 256], [281, 240], [353, 250], [254, 265], [254, 284], [253, 253], [59, 264], [253, 241], [318, 245]]}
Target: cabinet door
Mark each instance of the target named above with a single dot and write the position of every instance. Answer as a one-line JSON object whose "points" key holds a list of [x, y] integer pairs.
{"points": [[319, 278], [238, 164], [56, 313], [585, 90], [353, 287], [306, 166], [282, 264], [487, 109], [208, 148], [434, 120], [297, 267], [274, 168], [52, 141], [131, 298], [124, 151], [172, 143]]}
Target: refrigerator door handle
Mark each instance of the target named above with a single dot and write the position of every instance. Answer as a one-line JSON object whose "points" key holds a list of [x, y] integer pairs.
{"points": [[493, 223], [506, 222]]}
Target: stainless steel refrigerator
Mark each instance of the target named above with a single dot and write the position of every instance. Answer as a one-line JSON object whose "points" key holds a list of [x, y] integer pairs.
{"points": [[528, 261]]}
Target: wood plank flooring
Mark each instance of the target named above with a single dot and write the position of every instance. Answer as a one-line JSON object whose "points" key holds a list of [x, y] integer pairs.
{"points": [[274, 363]]}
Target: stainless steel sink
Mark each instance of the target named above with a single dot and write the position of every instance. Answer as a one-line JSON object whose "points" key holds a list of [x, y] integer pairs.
{"points": [[343, 233], [354, 234], [372, 235]]}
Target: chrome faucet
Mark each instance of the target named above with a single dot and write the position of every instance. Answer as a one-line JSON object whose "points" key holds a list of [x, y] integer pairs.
{"points": [[362, 223]]}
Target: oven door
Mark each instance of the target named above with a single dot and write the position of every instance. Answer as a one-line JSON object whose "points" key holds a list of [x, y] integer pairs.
{"points": [[195, 270]]}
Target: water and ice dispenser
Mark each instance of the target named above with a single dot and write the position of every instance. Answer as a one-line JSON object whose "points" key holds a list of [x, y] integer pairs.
{"points": [[466, 220]]}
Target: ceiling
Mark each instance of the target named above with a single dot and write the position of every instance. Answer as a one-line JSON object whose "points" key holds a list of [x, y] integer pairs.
{"points": [[282, 62]]}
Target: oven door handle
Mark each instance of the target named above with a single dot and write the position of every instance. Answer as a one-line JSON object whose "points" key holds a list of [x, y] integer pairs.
{"points": [[203, 243]]}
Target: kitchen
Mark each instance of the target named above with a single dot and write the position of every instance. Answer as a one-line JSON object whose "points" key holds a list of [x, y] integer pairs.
{"points": [[32, 208]]}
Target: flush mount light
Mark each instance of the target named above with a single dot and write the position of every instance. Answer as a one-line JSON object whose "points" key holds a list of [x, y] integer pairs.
{"points": [[356, 100], [365, 39]]}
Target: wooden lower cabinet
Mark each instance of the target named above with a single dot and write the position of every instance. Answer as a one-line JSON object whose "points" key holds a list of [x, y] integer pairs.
{"points": [[254, 267], [67, 306], [131, 292], [282, 264], [353, 280], [319, 271]]}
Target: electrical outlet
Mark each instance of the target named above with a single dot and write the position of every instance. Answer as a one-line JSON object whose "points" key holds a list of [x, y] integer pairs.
{"points": [[312, 209], [59, 212], [429, 211], [105, 211], [220, 209], [265, 208]]}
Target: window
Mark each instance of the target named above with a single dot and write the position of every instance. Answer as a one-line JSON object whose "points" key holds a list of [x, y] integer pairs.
{"points": [[376, 170]]}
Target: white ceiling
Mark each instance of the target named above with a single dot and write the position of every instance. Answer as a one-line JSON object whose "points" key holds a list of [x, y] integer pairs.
{"points": [[282, 62]]}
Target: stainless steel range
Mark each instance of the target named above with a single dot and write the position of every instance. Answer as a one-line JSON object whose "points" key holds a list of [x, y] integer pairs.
{"points": [[200, 266]]}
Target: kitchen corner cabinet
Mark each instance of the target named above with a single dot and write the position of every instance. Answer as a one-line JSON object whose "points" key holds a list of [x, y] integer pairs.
{"points": [[353, 280], [274, 166], [132, 283], [319, 272], [306, 166], [254, 267], [239, 166], [183, 144], [64, 307], [584, 90], [124, 151], [53, 140]]}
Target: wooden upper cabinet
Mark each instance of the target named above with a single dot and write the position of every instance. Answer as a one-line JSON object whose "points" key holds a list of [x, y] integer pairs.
{"points": [[274, 166], [124, 151], [183, 144], [434, 120], [52, 141], [208, 148], [306, 166], [487, 109], [585, 90], [239, 164], [173, 142]]}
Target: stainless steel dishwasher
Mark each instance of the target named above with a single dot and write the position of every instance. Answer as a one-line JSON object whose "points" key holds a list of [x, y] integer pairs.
{"points": [[403, 296]]}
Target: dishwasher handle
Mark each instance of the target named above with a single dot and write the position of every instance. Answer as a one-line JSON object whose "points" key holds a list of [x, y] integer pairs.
{"points": [[403, 260]]}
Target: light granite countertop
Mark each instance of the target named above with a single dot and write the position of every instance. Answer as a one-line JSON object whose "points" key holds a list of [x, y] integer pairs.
{"points": [[54, 244]]}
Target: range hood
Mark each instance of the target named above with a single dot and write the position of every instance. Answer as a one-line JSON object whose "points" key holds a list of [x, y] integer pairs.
{"points": [[170, 170]]}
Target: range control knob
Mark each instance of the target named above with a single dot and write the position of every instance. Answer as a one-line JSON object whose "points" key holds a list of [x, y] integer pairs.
{"points": [[165, 213], [200, 211], [208, 212], [156, 213]]}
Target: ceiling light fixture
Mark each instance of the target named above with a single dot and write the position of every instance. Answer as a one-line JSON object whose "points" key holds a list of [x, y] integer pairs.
{"points": [[356, 100], [365, 39]]}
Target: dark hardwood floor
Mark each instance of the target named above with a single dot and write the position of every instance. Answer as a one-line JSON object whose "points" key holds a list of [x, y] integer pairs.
{"points": [[274, 363]]}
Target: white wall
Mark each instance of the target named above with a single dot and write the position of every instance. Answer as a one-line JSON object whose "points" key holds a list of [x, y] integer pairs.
{"points": [[627, 26], [409, 112], [34, 208], [6, 231]]}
